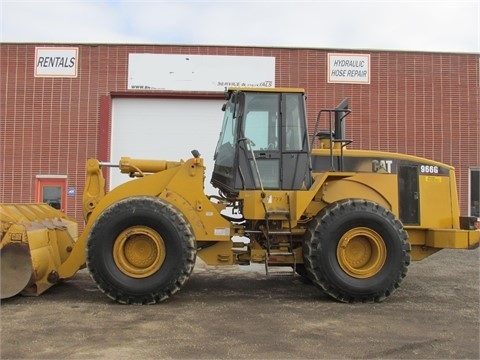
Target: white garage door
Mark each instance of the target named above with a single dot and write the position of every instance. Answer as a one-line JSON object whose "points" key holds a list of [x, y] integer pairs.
{"points": [[164, 129]]}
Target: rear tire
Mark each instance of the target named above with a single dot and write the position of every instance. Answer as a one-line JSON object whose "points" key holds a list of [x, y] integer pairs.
{"points": [[300, 270], [356, 251], [140, 250]]}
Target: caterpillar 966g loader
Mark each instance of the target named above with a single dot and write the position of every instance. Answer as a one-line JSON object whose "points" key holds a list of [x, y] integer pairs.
{"points": [[349, 220]]}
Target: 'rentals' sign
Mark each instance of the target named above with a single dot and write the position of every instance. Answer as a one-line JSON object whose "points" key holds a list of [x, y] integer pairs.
{"points": [[349, 68], [56, 62]]}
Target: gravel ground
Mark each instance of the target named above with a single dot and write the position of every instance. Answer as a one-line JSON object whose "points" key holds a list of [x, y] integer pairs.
{"points": [[239, 313]]}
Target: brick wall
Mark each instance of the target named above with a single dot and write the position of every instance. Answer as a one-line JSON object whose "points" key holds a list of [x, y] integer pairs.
{"points": [[424, 104]]}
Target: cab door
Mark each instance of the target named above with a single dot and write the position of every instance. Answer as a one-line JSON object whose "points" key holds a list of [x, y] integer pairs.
{"points": [[260, 142], [273, 143]]}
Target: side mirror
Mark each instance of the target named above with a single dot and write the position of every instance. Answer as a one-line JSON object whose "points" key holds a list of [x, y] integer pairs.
{"points": [[226, 94]]}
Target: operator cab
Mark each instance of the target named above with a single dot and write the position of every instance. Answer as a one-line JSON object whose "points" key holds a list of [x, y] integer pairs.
{"points": [[263, 143]]}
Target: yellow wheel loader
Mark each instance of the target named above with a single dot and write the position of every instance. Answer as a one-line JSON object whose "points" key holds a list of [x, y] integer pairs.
{"points": [[349, 220]]}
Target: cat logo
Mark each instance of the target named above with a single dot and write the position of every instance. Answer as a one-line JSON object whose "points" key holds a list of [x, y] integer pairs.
{"points": [[382, 166]]}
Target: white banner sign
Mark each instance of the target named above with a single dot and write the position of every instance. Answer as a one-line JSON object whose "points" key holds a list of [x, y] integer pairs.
{"points": [[198, 72], [349, 68], [56, 61]]}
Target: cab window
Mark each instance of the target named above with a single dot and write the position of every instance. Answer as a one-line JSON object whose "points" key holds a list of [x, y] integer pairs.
{"points": [[261, 121], [294, 123]]}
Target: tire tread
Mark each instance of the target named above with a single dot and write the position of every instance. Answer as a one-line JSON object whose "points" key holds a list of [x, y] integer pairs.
{"points": [[317, 234]]}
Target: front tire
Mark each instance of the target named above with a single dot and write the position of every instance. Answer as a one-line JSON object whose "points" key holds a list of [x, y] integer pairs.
{"points": [[356, 251], [140, 250]]}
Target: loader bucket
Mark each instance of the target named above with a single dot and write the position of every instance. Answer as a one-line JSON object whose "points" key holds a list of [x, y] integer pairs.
{"points": [[35, 239], [16, 269]]}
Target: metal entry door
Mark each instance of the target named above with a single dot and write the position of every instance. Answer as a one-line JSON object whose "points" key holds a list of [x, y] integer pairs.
{"points": [[52, 191]]}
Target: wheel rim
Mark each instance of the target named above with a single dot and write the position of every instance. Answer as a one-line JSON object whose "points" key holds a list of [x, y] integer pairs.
{"points": [[361, 252], [139, 251]]}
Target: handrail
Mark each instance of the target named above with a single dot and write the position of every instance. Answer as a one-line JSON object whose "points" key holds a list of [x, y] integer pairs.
{"points": [[332, 135]]}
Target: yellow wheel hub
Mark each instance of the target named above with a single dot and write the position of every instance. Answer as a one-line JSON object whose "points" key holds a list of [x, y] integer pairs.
{"points": [[139, 251], [361, 252]]}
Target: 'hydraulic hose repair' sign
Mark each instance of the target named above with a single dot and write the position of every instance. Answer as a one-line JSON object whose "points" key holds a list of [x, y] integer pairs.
{"points": [[349, 68]]}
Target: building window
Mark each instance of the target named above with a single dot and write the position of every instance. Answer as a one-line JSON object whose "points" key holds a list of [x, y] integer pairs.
{"points": [[475, 192], [51, 189]]}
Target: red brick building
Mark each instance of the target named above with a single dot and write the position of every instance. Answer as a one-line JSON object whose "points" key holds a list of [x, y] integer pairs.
{"points": [[56, 111]]}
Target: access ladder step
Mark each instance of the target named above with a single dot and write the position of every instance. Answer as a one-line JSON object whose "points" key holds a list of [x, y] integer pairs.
{"points": [[278, 214], [286, 269]]}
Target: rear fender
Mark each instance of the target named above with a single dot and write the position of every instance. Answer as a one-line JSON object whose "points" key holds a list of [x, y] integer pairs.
{"points": [[352, 187]]}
